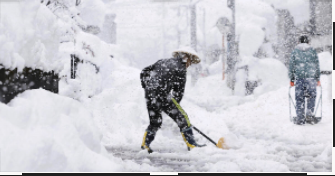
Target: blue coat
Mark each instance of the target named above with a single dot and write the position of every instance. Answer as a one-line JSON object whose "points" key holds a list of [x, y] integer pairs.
{"points": [[304, 63]]}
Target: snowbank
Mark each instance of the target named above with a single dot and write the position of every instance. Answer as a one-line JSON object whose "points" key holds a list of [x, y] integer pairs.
{"points": [[250, 40], [212, 92], [326, 61], [45, 132], [271, 72], [255, 20], [29, 36], [256, 128], [266, 120], [91, 48], [93, 12], [92, 73], [126, 107], [95, 56]]}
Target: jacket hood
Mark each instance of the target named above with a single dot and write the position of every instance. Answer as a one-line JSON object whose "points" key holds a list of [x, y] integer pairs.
{"points": [[188, 50], [303, 47]]}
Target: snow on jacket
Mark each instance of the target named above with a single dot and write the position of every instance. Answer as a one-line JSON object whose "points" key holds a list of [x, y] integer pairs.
{"points": [[163, 76], [304, 63]]}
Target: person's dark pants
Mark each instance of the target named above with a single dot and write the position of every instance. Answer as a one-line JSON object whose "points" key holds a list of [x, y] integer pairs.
{"points": [[305, 88], [157, 103]]}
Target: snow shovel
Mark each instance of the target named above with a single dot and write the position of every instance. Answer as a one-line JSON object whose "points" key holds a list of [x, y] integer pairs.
{"points": [[315, 119], [220, 143]]}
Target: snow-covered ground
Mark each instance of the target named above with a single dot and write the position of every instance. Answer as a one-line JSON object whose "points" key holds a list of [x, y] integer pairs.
{"points": [[257, 130], [41, 131]]}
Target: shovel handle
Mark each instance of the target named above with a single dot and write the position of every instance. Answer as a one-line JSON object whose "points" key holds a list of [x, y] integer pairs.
{"points": [[196, 129]]}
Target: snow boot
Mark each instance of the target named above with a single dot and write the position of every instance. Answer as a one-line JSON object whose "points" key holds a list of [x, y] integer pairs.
{"points": [[189, 139], [310, 120], [299, 122], [149, 136]]}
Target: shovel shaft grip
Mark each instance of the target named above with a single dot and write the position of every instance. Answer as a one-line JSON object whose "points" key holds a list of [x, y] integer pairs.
{"points": [[196, 129]]}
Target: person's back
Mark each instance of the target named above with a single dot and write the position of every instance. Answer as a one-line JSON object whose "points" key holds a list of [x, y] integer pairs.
{"points": [[305, 63], [304, 73], [165, 75]]}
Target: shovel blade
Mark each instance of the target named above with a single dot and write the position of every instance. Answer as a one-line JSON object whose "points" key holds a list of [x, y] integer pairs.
{"points": [[221, 144]]}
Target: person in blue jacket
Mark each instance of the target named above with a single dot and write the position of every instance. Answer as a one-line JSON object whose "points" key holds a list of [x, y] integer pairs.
{"points": [[304, 73]]}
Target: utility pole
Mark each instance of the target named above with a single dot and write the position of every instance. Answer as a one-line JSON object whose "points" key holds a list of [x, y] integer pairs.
{"points": [[312, 4], [193, 11], [193, 26], [163, 28], [179, 35], [223, 25], [204, 46], [223, 59], [232, 49], [196, 68]]}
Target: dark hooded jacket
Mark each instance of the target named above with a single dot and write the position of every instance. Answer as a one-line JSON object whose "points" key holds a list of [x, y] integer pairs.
{"points": [[164, 76]]}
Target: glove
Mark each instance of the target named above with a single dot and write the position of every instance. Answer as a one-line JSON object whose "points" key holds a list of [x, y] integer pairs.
{"points": [[292, 84]]}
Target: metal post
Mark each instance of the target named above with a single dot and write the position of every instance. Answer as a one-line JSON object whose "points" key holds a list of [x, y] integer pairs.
{"points": [[193, 27], [193, 23], [223, 58], [72, 67], [74, 64], [312, 4], [232, 50], [204, 30], [163, 28], [179, 33]]}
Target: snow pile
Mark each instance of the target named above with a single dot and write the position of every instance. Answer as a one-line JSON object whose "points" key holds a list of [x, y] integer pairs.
{"points": [[250, 40], [43, 37], [326, 61], [41, 131], [96, 56], [212, 92], [93, 12], [251, 18], [260, 135], [91, 48], [29, 36], [45, 132], [266, 120], [126, 108], [271, 73]]}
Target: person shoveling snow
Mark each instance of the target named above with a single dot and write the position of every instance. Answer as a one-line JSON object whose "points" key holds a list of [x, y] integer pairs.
{"points": [[158, 80]]}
